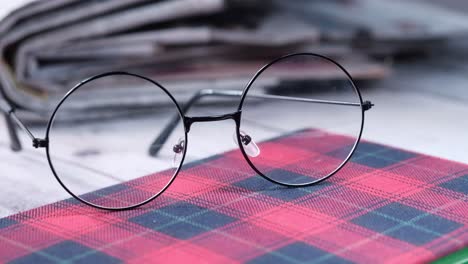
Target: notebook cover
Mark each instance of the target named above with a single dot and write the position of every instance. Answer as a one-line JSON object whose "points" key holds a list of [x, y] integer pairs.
{"points": [[386, 205]]}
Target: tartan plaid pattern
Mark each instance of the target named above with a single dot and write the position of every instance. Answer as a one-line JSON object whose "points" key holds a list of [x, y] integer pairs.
{"points": [[386, 205]]}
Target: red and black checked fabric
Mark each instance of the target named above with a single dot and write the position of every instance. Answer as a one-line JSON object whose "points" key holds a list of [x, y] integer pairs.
{"points": [[387, 205]]}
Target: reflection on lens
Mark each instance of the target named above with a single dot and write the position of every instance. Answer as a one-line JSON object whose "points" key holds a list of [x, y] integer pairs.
{"points": [[106, 162], [305, 115]]}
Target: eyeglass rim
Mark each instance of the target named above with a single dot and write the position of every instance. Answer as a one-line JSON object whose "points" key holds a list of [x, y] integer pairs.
{"points": [[244, 95], [73, 90]]}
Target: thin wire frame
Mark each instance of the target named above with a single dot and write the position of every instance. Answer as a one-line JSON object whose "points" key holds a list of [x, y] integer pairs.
{"points": [[51, 122], [363, 108], [187, 121]]}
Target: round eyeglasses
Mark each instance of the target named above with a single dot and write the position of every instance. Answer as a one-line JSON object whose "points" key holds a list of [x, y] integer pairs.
{"points": [[308, 97]]}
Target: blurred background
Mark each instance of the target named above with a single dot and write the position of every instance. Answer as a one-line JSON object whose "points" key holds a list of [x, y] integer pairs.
{"points": [[408, 57]]}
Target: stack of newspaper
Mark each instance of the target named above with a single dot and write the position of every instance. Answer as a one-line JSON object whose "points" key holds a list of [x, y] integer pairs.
{"points": [[46, 47]]}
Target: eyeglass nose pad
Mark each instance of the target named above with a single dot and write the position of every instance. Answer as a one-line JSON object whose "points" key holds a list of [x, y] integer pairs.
{"points": [[178, 152], [250, 147]]}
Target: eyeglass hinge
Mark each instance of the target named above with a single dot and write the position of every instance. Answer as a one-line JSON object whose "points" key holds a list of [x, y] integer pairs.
{"points": [[367, 105], [40, 143]]}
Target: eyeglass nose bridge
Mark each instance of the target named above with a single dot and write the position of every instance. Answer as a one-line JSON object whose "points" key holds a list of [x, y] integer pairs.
{"points": [[189, 120]]}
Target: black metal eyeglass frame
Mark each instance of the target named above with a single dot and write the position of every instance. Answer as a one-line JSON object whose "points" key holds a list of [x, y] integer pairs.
{"points": [[15, 144]]}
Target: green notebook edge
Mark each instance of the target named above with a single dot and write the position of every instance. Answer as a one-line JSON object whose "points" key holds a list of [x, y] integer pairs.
{"points": [[458, 257]]}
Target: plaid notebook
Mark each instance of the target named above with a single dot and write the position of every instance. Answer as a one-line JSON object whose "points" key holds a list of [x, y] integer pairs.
{"points": [[387, 205]]}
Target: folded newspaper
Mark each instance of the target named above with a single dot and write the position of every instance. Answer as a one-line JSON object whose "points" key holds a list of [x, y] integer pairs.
{"points": [[46, 47]]}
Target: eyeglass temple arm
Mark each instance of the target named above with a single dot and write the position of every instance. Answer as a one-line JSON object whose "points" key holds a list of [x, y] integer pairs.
{"points": [[11, 120], [164, 135]]}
